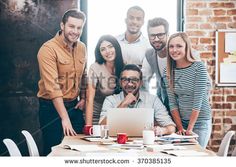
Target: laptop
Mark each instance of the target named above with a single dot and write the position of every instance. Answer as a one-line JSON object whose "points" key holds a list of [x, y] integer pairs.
{"points": [[129, 120]]}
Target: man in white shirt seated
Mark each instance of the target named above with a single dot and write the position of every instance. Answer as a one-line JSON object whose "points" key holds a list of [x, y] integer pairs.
{"points": [[132, 97]]}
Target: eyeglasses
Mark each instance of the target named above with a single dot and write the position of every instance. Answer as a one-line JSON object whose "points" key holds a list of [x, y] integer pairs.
{"points": [[159, 36], [128, 80]]}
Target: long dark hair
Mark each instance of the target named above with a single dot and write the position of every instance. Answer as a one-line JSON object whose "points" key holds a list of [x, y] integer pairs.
{"points": [[119, 63]]}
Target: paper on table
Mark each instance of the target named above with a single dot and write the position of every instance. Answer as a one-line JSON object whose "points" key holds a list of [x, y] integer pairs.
{"points": [[92, 139], [132, 146], [85, 148], [97, 139], [128, 146], [189, 153], [176, 136], [164, 147], [185, 142]]}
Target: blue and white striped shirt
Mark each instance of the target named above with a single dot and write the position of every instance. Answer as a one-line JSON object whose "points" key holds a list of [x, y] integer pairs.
{"points": [[191, 88]]}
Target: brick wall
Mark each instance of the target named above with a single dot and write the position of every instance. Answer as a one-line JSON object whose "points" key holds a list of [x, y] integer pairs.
{"points": [[202, 20]]}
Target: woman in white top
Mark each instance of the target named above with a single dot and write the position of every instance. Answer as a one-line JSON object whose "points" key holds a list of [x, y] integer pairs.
{"points": [[103, 76]]}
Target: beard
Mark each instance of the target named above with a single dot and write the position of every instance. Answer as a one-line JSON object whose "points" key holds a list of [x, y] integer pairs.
{"points": [[163, 44], [69, 38], [131, 89]]}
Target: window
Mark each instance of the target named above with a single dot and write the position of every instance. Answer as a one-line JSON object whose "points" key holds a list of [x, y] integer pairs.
{"points": [[108, 17]]}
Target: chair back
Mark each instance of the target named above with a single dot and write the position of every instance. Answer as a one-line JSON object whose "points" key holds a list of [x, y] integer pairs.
{"points": [[234, 152], [32, 147], [224, 146], [12, 147]]}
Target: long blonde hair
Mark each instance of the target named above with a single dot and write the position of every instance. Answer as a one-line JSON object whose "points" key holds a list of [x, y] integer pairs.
{"points": [[171, 64]]}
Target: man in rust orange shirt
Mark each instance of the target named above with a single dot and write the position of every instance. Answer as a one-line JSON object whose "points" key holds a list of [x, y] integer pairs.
{"points": [[62, 64]]}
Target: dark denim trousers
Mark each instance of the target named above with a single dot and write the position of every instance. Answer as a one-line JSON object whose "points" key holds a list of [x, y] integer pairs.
{"points": [[50, 122]]}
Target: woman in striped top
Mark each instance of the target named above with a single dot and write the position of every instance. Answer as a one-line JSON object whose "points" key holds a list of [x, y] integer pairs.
{"points": [[186, 80]]}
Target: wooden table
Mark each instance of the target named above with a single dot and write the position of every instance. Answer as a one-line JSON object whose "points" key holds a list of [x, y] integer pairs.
{"points": [[77, 140]]}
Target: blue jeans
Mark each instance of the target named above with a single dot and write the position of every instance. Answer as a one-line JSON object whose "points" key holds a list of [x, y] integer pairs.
{"points": [[202, 128], [50, 123]]}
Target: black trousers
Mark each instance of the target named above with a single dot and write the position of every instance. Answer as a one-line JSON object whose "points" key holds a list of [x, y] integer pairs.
{"points": [[50, 122]]}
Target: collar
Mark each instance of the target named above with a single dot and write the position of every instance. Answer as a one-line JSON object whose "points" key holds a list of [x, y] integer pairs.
{"points": [[162, 53], [141, 98], [122, 38]]}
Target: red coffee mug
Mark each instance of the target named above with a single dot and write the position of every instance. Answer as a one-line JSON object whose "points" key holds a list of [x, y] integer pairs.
{"points": [[87, 129], [122, 138]]}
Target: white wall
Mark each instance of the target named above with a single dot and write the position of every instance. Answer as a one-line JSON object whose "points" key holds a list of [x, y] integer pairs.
{"points": [[108, 17]]}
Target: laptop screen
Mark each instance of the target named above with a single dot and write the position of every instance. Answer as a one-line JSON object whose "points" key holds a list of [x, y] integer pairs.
{"points": [[129, 120]]}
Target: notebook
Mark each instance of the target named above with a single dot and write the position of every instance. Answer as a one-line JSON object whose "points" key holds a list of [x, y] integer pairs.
{"points": [[131, 121]]}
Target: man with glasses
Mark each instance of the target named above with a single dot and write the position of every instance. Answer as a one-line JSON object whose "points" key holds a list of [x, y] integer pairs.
{"points": [[156, 57], [155, 60], [132, 97], [133, 43]]}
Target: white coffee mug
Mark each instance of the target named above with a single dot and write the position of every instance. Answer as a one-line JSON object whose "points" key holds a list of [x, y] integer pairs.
{"points": [[148, 137], [95, 130]]}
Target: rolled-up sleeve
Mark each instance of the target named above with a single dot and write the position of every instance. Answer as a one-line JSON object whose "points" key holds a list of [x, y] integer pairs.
{"points": [[161, 114], [48, 71], [107, 104]]}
